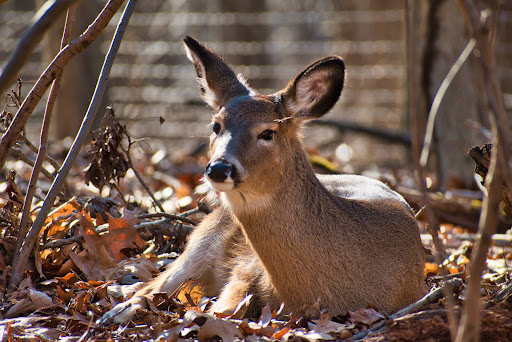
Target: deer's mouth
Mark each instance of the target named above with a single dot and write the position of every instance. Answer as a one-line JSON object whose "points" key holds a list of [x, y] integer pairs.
{"points": [[227, 185]]}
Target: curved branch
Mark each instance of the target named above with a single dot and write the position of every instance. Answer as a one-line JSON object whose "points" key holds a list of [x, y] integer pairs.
{"points": [[33, 234], [43, 20], [55, 68]]}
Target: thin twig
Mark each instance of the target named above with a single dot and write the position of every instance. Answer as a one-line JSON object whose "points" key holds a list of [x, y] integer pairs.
{"points": [[432, 219], [43, 19], [48, 158], [143, 183], [25, 218], [30, 240], [499, 170], [105, 227], [431, 297], [24, 158], [34, 149], [10, 137], [169, 216], [429, 132]]}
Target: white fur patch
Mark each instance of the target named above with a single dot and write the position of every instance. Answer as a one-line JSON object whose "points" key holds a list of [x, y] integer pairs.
{"points": [[228, 184], [246, 202], [208, 96], [242, 80]]}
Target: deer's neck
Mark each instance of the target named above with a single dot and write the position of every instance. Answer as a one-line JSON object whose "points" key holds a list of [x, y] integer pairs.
{"points": [[286, 228], [288, 211]]}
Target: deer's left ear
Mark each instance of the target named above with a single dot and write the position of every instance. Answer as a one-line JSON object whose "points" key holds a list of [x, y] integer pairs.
{"points": [[219, 83], [314, 91]]}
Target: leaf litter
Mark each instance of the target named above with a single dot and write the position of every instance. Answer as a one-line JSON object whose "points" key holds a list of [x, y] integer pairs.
{"points": [[94, 251]]}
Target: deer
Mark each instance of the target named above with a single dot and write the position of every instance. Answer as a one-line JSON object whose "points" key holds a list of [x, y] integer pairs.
{"points": [[291, 238]]}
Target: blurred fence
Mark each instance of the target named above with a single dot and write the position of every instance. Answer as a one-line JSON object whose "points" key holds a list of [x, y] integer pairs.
{"points": [[269, 42]]}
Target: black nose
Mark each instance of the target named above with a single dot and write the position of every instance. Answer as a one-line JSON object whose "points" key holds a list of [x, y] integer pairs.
{"points": [[219, 170]]}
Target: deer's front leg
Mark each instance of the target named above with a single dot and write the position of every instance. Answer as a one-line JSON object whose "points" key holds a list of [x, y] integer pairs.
{"points": [[203, 260]]}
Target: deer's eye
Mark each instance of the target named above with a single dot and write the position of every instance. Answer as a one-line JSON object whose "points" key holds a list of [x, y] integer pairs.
{"points": [[216, 127], [267, 134]]}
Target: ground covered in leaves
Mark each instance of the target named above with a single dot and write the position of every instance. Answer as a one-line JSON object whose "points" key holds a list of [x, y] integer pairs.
{"points": [[131, 220]]}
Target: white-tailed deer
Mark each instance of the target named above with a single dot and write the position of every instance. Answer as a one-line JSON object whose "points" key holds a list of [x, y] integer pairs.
{"points": [[281, 232]]}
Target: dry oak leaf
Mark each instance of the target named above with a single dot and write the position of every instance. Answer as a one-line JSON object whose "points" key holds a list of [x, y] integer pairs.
{"points": [[97, 261], [31, 301], [211, 326], [325, 325], [57, 220], [365, 316], [122, 234]]}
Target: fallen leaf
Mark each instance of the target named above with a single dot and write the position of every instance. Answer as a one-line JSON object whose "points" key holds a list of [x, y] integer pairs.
{"points": [[97, 261], [211, 326], [430, 269], [365, 316], [32, 301], [122, 234], [58, 218], [141, 268], [190, 293], [266, 316], [325, 325], [280, 333], [242, 307]]}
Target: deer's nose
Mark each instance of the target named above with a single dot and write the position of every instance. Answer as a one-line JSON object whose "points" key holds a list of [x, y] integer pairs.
{"points": [[219, 170]]}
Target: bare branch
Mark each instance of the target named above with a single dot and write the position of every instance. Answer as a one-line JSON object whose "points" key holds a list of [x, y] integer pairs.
{"points": [[429, 132], [499, 170], [43, 20], [433, 225], [33, 234], [45, 80], [25, 218], [169, 216], [430, 297], [144, 185]]}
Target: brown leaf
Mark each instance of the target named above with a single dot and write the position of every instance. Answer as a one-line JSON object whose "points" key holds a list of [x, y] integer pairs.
{"points": [[365, 316], [65, 296], [69, 279], [97, 261], [325, 325], [32, 301], [122, 234], [59, 216], [211, 326], [190, 293]]}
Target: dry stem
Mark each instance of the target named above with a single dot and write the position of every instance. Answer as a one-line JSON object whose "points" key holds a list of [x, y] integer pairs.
{"points": [[499, 171], [432, 219], [41, 155], [58, 64], [43, 20], [33, 234]]}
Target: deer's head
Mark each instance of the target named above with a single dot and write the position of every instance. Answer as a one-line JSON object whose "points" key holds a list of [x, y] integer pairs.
{"points": [[255, 137]]}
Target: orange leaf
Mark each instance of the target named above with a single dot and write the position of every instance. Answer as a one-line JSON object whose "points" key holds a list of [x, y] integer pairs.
{"points": [[65, 296], [190, 293], [430, 269], [69, 279], [453, 269], [279, 334], [58, 216], [122, 234]]}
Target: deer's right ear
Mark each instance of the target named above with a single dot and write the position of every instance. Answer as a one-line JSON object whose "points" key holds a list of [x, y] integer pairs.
{"points": [[219, 84], [314, 91]]}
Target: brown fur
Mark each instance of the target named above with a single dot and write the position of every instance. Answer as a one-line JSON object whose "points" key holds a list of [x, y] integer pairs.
{"points": [[282, 233]]}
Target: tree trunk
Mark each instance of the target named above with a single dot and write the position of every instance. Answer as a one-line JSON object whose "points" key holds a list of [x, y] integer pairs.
{"points": [[462, 106]]}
